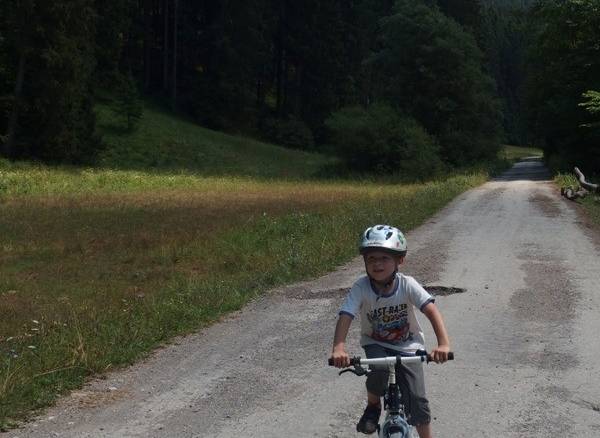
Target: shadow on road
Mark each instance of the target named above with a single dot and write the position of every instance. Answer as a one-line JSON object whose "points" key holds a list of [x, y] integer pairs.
{"points": [[528, 169]]}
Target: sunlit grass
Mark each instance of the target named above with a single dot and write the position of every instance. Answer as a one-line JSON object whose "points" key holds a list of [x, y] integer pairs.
{"points": [[97, 267]]}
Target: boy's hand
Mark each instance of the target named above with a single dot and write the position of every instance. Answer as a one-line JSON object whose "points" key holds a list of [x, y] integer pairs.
{"points": [[340, 358], [440, 354]]}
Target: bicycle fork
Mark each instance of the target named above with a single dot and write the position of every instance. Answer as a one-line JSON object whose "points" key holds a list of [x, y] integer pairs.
{"points": [[394, 422]]}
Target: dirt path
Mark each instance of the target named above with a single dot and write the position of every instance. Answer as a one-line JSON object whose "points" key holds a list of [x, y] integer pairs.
{"points": [[525, 334]]}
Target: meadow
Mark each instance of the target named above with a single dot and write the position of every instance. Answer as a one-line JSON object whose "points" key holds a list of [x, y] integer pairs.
{"points": [[98, 266]]}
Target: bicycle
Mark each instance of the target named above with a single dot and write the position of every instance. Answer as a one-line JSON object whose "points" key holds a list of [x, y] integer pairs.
{"points": [[395, 423]]}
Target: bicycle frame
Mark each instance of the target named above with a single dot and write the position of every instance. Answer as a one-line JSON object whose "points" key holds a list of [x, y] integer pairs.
{"points": [[394, 424]]}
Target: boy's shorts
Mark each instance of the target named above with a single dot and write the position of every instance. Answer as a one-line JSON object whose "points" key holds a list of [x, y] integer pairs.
{"points": [[412, 388]]}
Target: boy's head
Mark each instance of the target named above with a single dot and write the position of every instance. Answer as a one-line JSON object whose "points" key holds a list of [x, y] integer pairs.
{"points": [[383, 248]]}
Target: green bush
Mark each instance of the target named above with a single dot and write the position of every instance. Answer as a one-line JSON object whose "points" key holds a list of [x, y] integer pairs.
{"points": [[379, 139], [290, 131]]}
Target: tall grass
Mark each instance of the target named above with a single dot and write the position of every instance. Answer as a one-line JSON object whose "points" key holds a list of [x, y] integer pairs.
{"points": [[98, 267]]}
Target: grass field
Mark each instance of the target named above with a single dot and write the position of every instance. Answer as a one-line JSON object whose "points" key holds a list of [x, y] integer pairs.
{"points": [[100, 266]]}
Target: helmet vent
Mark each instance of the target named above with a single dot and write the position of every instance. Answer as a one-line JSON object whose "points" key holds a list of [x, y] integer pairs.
{"points": [[380, 227], [388, 235], [368, 233]]}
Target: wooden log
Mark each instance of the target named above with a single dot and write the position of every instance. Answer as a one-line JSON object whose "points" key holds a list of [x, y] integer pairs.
{"points": [[572, 194], [586, 185]]}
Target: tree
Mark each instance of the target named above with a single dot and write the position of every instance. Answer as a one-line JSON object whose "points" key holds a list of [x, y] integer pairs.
{"points": [[465, 12], [380, 138], [17, 44], [128, 102], [429, 67], [564, 63], [503, 39]]}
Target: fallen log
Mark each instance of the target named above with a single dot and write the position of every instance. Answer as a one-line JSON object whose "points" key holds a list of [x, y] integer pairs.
{"points": [[586, 185], [573, 193]]}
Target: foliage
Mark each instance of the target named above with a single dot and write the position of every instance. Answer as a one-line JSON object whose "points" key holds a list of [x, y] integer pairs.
{"points": [[592, 105], [503, 39], [564, 63], [465, 12], [379, 138], [273, 69], [128, 102], [429, 67], [56, 120], [290, 132]]}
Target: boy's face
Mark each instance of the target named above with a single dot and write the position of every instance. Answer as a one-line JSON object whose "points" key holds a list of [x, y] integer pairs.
{"points": [[381, 265]]}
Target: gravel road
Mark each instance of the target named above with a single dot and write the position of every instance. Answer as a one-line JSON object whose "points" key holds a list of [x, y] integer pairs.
{"points": [[525, 333]]}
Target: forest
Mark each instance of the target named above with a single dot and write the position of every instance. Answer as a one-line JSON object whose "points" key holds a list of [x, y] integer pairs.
{"points": [[392, 86]]}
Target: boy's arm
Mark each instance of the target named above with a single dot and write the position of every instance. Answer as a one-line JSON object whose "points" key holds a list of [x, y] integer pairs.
{"points": [[439, 354], [339, 355]]}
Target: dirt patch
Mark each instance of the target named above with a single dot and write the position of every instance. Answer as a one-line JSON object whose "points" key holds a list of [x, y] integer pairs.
{"points": [[533, 252], [548, 360], [547, 205], [549, 295], [94, 398], [426, 263]]}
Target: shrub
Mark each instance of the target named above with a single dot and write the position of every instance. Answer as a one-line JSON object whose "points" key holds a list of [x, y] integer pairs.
{"points": [[290, 131], [128, 102], [382, 140]]}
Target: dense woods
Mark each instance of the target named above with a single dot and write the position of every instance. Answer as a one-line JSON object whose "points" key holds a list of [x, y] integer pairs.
{"points": [[455, 77], [564, 80]]}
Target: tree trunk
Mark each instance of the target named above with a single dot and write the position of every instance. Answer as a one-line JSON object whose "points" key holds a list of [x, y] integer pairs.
{"points": [[14, 116], [174, 89], [147, 5], [166, 46], [280, 55]]}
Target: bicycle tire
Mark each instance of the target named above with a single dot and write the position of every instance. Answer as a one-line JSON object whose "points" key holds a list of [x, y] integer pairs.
{"points": [[412, 433]]}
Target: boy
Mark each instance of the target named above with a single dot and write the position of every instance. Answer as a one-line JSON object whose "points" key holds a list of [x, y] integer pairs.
{"points": [[386, 300]]}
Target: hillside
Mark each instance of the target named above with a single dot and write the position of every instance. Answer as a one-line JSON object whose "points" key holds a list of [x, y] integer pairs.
{"points": [[165, 141]]}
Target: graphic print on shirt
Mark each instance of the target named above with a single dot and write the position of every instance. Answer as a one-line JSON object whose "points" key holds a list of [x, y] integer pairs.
{"points": [[390, 324]]}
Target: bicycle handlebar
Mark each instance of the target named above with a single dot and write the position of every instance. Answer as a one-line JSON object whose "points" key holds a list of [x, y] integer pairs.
{"points": [[420, 356]]}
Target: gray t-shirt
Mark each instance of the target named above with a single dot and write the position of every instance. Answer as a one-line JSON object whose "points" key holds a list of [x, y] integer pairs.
{"points": [[388, 320]]}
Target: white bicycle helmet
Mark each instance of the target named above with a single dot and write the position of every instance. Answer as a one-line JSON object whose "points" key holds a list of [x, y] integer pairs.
{"points": [[385, 238]]}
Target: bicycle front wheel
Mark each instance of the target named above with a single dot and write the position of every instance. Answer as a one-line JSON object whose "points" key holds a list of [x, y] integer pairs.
{"points": [[412, 433]]}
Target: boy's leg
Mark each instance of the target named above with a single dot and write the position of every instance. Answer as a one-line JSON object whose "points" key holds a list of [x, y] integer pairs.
{"points": [[424, 430], [376, 385], [414, 399]]}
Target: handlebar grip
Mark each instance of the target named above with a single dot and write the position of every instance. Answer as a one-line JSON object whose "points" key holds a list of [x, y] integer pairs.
{"points": [[353, 361], [450, 356]]}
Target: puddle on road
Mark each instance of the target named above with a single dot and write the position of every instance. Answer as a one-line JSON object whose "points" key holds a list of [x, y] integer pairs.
{"points": [[443, 290], [307, 294]]}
